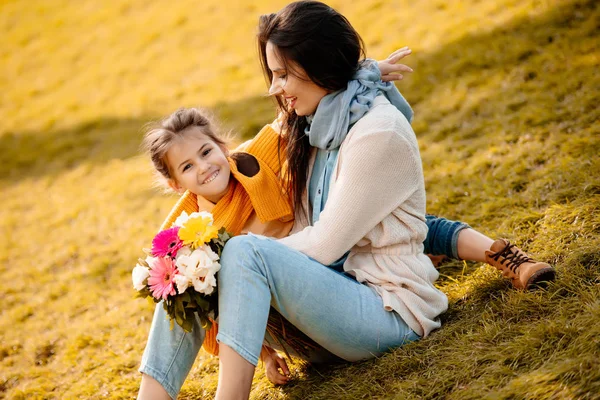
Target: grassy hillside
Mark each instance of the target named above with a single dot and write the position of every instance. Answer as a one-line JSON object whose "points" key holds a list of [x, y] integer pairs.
{"points": [[506, 101]]}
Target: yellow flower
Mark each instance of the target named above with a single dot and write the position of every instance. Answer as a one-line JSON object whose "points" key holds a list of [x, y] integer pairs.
{"points": [[197, 231]]}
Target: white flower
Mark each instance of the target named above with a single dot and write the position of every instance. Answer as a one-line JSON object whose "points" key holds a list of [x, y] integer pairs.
{"points": [[200, 268], [182, 282], [184, 217], [181, 219], [211, 254], [139, 276], [184, 251]]}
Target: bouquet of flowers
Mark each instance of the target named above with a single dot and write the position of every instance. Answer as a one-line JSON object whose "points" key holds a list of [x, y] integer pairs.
{"points": [[180, 269]]}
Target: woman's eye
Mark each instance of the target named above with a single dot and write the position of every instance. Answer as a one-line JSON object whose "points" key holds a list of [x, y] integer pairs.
{"points": [[283, 77]]}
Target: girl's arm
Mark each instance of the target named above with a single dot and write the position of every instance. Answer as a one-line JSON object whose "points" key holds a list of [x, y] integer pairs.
{"points": [[379, 171], [273, 364]]}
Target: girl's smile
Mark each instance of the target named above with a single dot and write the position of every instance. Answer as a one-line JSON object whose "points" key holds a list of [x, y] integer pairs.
{"points": [[211, 178]]}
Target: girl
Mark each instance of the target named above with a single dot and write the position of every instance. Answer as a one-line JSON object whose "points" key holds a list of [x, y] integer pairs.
{"points": [[244, 194]]}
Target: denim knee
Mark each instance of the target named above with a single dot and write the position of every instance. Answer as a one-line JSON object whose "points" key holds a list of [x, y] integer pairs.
{"points": [[241, 251], [236, 250]]}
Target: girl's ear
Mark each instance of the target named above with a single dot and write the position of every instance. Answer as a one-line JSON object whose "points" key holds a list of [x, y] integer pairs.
{"points": [[175, 186]]}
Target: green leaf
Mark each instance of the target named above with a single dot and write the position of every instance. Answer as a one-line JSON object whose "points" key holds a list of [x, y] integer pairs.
{"points": [[179, 305], [224, 236], [187, 325], [185, 296], [143, 293], [204, 321], [151, 300], [179, 319], [201, 301]]}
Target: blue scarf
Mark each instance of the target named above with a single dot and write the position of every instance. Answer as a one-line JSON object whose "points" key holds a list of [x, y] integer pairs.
{"points": [[338, 111]]}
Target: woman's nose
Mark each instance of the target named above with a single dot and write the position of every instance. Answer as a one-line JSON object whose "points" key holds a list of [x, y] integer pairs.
{"points": [[276, 88]]}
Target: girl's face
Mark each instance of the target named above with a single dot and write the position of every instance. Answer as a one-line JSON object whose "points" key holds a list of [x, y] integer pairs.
{"points": [[199, 165], [299, 92]]}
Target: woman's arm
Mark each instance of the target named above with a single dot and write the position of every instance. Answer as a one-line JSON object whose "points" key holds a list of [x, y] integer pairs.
{"points": [[379, 171]]}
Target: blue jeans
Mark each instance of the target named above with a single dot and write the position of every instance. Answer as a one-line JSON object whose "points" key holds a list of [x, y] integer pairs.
{"points": [[170, 354], [442, 236], [342, 315]]}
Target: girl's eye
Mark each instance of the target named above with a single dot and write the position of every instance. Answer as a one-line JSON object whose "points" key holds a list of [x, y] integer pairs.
{"points": [[206, 152], [186, 167]]}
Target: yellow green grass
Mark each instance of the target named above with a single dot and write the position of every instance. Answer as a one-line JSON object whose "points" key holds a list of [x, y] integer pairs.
{"points": [[506, 101]]}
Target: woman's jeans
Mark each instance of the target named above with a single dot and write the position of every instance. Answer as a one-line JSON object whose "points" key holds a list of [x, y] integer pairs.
{"points": [[343, 316]]}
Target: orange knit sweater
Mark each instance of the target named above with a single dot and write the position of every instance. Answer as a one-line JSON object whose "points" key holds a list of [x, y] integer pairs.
{"points": [[261, 193]]}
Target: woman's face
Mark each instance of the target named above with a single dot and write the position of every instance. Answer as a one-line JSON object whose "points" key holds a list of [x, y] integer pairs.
{"points": [[199, 165], [298, 91]]}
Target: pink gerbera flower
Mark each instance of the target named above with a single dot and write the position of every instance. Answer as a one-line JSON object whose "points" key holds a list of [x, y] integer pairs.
{"points": [[166, 243], [161, 282]]}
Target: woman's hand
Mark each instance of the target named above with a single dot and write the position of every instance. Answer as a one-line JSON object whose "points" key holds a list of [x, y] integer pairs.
{"points": [[276, 367], [390, 71]]}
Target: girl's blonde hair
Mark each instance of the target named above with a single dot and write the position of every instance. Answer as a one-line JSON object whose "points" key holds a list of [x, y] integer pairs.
{"points": [[161, 135]]}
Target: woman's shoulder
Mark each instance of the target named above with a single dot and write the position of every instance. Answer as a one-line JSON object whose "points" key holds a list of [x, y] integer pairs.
{"points": [[382, 120], [384, 112]]}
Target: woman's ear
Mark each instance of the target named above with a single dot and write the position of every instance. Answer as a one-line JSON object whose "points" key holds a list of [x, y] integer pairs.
{"points": [[175, 186]]}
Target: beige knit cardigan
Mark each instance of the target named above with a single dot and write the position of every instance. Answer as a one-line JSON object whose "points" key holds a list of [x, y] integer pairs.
{"points": [[376, 209]]}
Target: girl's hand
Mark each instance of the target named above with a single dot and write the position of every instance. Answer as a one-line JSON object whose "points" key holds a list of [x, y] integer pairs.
{"points": [[390, 71], [276, 367]]}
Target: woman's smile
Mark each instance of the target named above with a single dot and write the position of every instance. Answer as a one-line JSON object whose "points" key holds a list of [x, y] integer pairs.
{"points": [[291, 100]]}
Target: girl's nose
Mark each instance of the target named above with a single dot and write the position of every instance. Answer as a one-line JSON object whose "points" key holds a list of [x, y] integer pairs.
{"points": [[203, 167]]}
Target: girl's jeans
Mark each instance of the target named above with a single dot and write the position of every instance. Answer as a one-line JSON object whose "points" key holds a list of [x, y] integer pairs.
{"points": [[345, 317], [442, 236]]}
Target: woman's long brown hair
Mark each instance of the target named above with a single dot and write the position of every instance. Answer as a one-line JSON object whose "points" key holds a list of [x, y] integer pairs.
{"points": [[313, 36]]}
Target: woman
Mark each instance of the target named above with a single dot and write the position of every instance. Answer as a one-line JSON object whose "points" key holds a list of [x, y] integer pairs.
{"points": [[353, 276]]}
